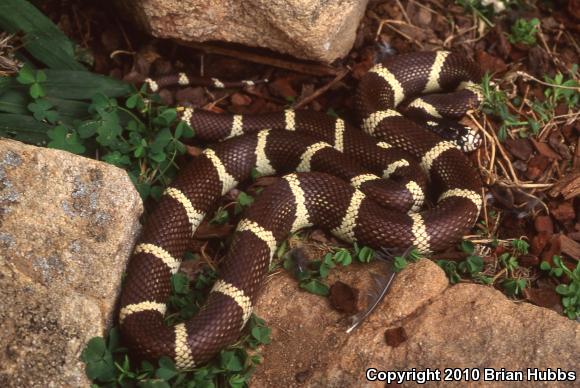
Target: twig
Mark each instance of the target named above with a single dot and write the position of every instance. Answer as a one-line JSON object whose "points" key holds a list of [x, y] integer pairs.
{"points": [[300, 67], [571, 38], [388, 23], [450, 38], [404, 12], [488, 137], [527, 76], [425, 7], [117, 52], [321, 90]]}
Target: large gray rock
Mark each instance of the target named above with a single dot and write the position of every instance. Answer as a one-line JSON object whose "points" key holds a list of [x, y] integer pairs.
{"points": [[67, 225], [423, 323], [321, 30]]}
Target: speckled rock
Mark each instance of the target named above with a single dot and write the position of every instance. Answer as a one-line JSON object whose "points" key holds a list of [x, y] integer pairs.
{"points": [[67, 226], [321, 30], [423, 323]]}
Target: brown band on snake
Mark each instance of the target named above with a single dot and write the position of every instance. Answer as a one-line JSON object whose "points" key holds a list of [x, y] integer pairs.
{"points": [[183, 79], [377, 156], [298, 200]]}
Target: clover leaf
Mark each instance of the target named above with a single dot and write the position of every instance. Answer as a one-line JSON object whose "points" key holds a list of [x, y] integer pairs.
{"points": [[65, 139]]}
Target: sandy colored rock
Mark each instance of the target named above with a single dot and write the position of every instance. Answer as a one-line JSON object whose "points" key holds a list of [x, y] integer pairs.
{"points": [[317, 30], [431, 325], [43, 332], [67, 225]]}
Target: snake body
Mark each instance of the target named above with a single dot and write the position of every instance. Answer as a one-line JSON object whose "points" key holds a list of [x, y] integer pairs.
{"points": [[321, 154]]}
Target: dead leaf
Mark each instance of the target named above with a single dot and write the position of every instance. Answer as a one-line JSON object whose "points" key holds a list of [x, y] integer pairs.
{"points": [[538, 61], [194, 151], [344, 298], [191, 268], [320, 236], [504, 47], [570, 247], [544, 297], [544, 224], [503, 195], [536, 166], [265, 181], [419, 16], [240, 99], [529, 261], [539, 242], [206, 230], [396, 336], [110, 40], [166, 97], [557, 142], [520, 148], [362, 67], [576, 234], [490, 63], [282, 87], [552, 249], [194, 96], [564, 212], [545, 150], [301, 377], [162, 66], [143, 60], [574, 8]]}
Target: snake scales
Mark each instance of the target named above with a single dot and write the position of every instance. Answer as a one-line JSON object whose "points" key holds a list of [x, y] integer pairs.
{"points": [[321, 153]]}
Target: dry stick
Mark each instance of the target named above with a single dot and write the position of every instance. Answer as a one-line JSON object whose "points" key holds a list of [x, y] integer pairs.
{"points": [[543, 40], [388, 22], [451, 37], [404, 12], [300, 67], [527, 76], [576, 162], [426, 8], [547, 129], [557, 39], [487, 137], [553, 58], [573, 114], [205, 257], [117, 52], [573, 41], [212, 104], [524, 99], [484, 205], [318, 92], [125, 36], [507, 159], [474, 40]]}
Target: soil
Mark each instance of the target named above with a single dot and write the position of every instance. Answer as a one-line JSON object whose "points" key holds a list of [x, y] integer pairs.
{"points": [[532, 177]]}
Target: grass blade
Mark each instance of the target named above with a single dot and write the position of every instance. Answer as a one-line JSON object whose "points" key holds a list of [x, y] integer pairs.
{"points": [[42, 39], [23, 128], [74, 85]]}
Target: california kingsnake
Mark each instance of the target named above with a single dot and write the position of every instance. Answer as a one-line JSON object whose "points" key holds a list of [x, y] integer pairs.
{"points": [[311, 142]]}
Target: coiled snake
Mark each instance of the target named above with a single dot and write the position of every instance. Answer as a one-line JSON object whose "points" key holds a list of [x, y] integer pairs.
{"points": [[371, 210]]}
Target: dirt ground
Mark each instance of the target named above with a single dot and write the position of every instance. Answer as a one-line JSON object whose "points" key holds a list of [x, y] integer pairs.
{"points": [[531, 170]]}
